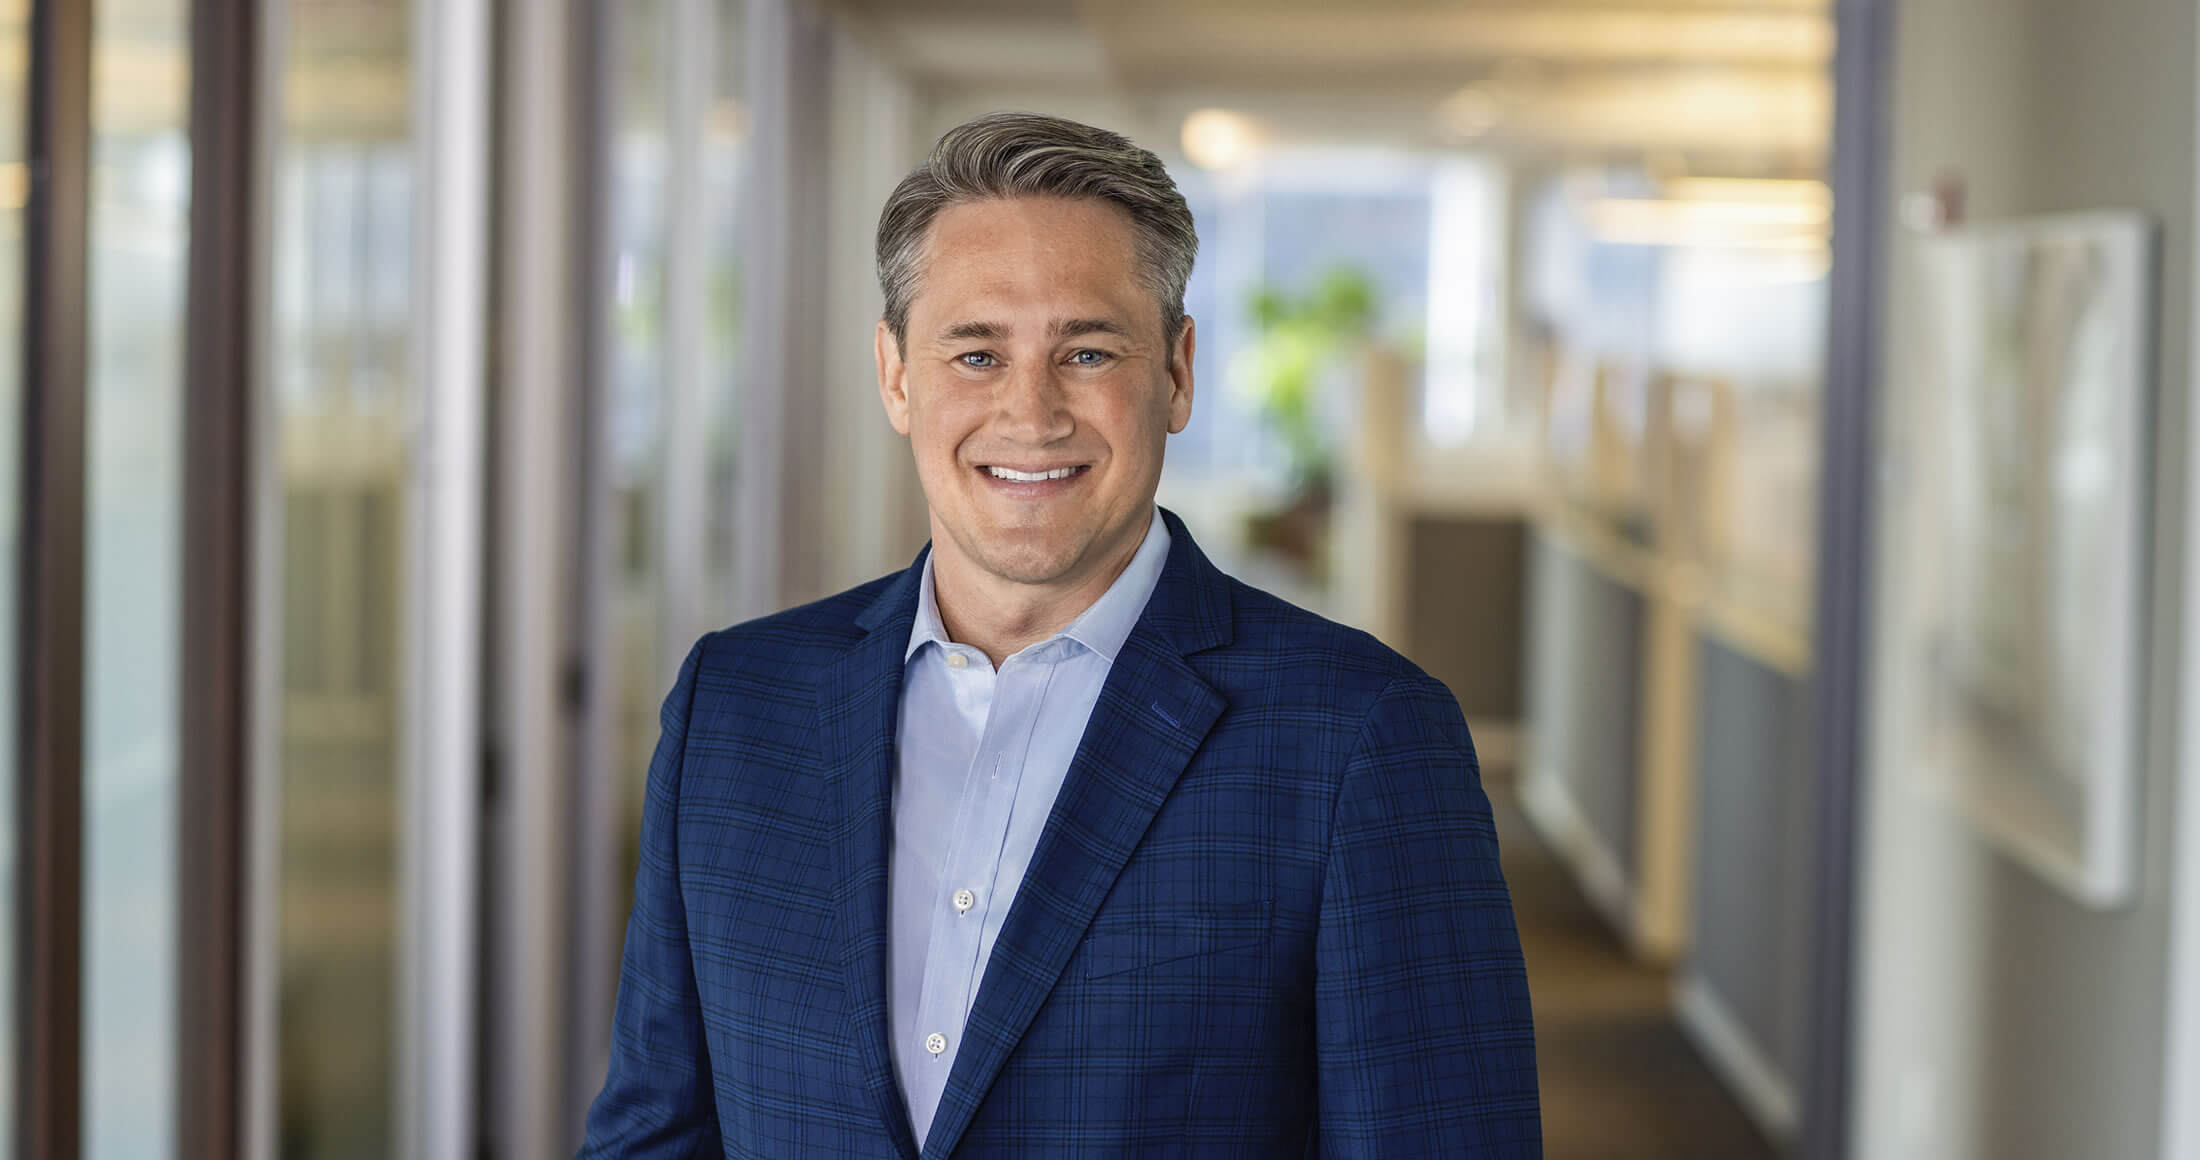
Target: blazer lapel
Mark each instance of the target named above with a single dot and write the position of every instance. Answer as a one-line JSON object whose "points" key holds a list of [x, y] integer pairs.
{"points": [[858, 698], [1152, 714]]}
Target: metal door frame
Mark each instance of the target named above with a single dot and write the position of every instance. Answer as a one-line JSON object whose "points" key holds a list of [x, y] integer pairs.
{"points": [[1848, 442], [50, 594]]}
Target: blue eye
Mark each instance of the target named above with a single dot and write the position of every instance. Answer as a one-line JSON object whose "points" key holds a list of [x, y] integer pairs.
{"points": [[978, 359], [1090, 358]]}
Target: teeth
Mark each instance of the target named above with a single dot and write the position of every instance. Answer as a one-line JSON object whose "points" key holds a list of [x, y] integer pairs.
{"points": [[1013, 475]]}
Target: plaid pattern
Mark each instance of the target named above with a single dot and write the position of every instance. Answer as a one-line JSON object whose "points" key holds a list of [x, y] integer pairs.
{"points": [[1265, 917]]}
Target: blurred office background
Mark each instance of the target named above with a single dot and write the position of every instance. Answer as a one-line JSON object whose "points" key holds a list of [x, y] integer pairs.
{"points": [[392, 390]]}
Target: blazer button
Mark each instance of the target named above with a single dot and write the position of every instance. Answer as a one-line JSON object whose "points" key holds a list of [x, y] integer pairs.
{"points": [[935, 1043]]}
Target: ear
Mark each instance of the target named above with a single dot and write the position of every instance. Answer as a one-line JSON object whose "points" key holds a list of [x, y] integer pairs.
{"points": [[893, 377], [1180, 375]]}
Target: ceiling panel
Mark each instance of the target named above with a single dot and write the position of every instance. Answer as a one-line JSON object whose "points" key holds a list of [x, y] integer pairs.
{"points": [[1726, 74]]}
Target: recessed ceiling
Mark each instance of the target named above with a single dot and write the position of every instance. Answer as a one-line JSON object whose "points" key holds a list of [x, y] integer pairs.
{"points": [[1733, 75]]}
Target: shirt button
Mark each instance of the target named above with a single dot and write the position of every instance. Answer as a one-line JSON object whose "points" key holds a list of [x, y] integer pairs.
{"points": [[964, 900], [956, 660], [935, 1043]]}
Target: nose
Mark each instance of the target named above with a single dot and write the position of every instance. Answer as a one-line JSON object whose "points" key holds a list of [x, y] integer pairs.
{"points": [[1031, 407]]}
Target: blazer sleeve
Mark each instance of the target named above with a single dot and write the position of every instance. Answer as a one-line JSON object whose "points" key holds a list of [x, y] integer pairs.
{"points": [[657, 1099], [1423, 1034]]}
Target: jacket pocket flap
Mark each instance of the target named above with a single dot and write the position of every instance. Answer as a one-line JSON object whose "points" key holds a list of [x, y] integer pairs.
{"points": [[1117, 943]]}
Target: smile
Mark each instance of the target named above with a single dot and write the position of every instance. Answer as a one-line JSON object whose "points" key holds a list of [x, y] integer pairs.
{"points": [[1015, 476]]}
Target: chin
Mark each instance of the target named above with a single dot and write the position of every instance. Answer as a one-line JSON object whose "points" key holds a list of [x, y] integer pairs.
{"points": [[1028, 563]]}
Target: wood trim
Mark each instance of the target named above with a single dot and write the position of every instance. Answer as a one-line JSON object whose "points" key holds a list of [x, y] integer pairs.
{"points": [[215, 668], [1665, 812], [50, 815]]}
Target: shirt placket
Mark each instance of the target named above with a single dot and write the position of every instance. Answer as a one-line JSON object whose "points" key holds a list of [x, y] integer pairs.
{"points": [[967, 910]]}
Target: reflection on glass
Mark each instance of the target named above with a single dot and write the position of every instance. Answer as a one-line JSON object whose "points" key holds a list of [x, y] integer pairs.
{"points": [[636, 392], [342, 400], [139, 230], [14, 189]]}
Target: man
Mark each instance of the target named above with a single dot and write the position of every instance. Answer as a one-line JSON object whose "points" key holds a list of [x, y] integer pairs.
{"points": [[1060, 842]]}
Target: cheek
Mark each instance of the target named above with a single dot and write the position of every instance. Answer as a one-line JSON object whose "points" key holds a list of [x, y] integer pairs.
{"points": [[937, 429], [1138, 422]]}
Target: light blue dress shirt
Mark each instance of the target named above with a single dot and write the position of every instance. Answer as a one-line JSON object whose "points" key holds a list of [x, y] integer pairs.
{"points": [[981, 756]]}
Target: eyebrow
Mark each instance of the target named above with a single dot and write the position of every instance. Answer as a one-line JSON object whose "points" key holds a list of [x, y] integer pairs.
{"points": [[1060, 328], [968, 330], [1079, 327]]}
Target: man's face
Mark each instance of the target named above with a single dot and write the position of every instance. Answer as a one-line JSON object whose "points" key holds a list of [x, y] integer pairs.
{"points": [[1036, 387]]}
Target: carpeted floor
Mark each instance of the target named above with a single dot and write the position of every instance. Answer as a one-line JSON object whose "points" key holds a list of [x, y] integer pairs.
{"points": [[1620, 1080]]}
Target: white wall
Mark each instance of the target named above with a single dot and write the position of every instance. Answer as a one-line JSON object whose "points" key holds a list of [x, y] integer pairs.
{"points": [[1998, 1018]]}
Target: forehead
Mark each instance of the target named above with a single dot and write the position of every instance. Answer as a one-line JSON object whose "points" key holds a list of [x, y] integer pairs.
{"points": [[1075, 254]]}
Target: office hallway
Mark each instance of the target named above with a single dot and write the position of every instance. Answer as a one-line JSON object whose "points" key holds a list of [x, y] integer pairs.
{"points": [[1620, 1080]]}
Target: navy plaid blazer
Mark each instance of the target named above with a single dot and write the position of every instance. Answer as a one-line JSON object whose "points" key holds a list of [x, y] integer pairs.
{"points": [[1264, 919]]}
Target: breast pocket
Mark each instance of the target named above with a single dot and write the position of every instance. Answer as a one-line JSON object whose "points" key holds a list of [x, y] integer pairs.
{"points": [[1118, 944]]}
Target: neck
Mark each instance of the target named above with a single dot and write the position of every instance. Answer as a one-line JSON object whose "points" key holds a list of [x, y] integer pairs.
{"points": [[1001, 617]]}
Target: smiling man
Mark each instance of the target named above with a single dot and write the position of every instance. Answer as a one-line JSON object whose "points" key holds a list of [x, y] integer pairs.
{"points": [[1060, 842]]}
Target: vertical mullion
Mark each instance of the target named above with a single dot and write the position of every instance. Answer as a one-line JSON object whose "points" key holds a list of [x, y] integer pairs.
{"points": [[442, 780], [527, 931], [50, 942], [1849, 417], [214, 667], [593, 673]]}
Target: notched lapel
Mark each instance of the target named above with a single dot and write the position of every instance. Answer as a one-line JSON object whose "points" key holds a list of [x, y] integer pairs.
{"points": [[858, 699], [1152, 714]]}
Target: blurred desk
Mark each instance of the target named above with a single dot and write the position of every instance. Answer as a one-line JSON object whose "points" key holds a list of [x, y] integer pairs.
{"points": [[1428, 552]]}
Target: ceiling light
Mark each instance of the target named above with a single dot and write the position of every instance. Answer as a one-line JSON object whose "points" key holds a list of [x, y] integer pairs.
{"points": [[1470, 112], [1760, 190], [1725, 224], [1219, 138]]}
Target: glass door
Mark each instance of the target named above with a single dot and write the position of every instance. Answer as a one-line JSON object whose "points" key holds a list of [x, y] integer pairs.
{"points": [[343, 403], [371, 544], [670, 335]]}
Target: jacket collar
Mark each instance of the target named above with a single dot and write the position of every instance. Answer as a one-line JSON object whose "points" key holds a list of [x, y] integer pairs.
{"points": [[1152, 714], [1101, 628], [1189, 610]]}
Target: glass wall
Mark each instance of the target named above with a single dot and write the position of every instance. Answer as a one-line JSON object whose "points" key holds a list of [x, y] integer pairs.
{"points": [[344, 405], [674, 345], [635, 397], [139, 235], [14, 192], [725, 340]]}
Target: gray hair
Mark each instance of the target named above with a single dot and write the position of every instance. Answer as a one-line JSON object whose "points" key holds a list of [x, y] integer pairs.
{"points": [[1009, 155]]}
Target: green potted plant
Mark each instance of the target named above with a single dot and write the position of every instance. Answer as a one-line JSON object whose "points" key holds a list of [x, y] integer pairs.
{"points": [[1301, 340]]}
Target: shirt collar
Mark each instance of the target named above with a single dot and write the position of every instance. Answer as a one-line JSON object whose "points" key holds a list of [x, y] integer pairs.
{"points": [[1102, 628]]}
